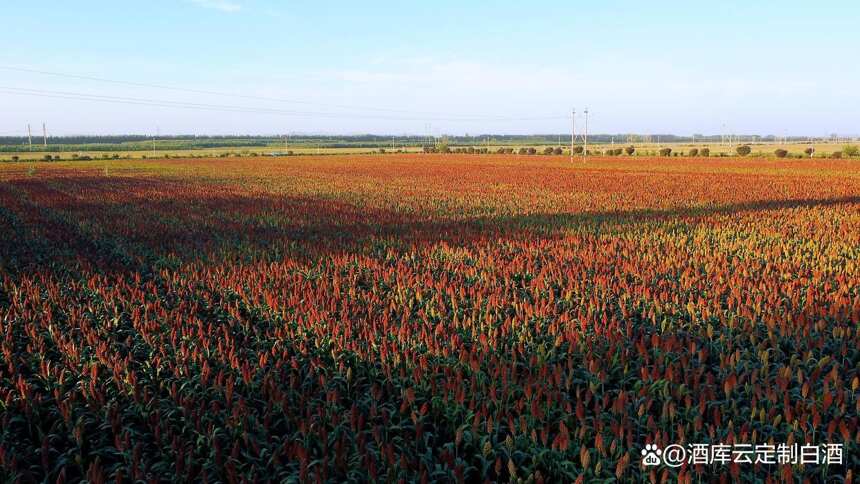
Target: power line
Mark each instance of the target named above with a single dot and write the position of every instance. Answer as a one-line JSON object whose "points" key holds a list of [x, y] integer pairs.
{"points": [[240, 109], [423, 115]]}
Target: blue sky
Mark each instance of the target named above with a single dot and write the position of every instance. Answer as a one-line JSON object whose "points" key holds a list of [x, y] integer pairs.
{"points": [[784, 68]]}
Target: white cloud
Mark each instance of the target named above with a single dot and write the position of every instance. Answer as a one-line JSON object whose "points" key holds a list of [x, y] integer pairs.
{"points": [[222, 5]]}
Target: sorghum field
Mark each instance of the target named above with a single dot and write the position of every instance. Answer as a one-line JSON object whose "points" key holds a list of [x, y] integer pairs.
{"points": [[458, 318]]}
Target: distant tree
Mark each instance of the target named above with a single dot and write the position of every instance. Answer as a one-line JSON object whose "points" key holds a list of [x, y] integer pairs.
{"points": [[694, 152], [557, 151], [851, 150], [836, 155], [46, 158], [665, 151], [15, 158], [532, 151], [577, 150], [548, 150], [780, 153], [608, 152], [500, 151], [442, 145], [705, 152], [630, 150], [743, 150], [485, 150], [809, 151], [523, 151], [381, 151], [618, 151]]}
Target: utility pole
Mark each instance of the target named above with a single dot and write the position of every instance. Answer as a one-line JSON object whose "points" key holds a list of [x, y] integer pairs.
{"points": [[572, 132], [45, 134], [585, 148], [30, 137]]}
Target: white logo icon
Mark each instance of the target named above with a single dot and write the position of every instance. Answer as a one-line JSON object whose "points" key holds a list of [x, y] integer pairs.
{"points": [[651, 455]]}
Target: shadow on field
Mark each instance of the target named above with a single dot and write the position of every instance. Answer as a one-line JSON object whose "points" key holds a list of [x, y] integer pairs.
{"points": [[144, 224]]}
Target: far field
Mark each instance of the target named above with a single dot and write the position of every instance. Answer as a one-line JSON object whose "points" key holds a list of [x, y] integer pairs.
{"points": [[173, 149], [448, 318]]}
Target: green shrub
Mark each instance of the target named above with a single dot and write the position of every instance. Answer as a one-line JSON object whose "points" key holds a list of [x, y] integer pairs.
{"points": [[665, 151], [705, 152], [557, 151], [836, 155], [743, 150], [850, 150], [523, 151], [548, 150], [694, 152], [780, 153]]}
